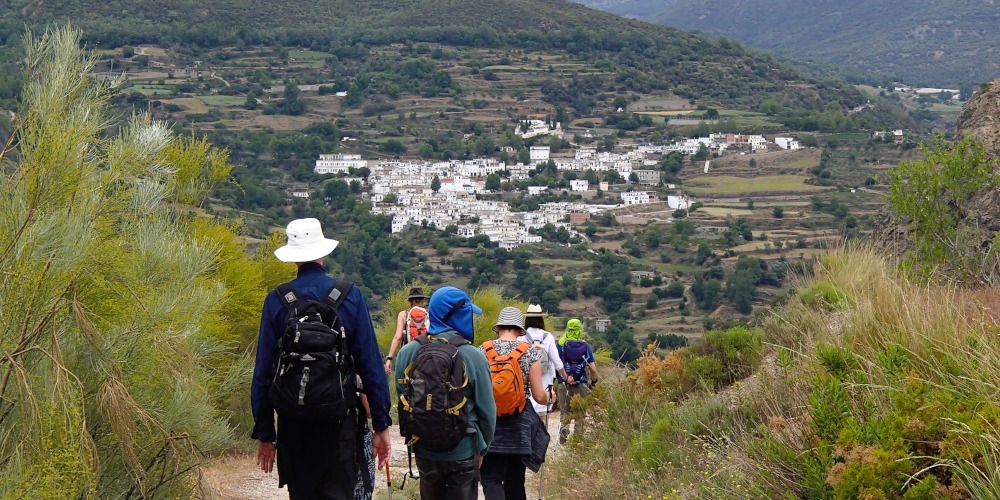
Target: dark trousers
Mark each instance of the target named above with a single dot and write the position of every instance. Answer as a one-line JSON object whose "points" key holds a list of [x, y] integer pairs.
{"points": [[503, 477], [317, 461], [447, 480], [337, 484]]}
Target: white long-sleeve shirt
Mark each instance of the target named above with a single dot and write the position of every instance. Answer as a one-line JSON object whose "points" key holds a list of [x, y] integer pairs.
{"points": [[532, 335]]}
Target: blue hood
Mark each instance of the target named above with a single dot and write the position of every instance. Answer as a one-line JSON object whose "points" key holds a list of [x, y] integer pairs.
{"points": [[442, 302]]}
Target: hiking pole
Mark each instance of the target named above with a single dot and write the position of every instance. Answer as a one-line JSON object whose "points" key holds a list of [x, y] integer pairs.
{"points": [[388, 480], [541, 472]]}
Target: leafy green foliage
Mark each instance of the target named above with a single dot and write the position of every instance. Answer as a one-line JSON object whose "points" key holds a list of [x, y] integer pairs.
{"points": [[935, 198], [134, 316]]}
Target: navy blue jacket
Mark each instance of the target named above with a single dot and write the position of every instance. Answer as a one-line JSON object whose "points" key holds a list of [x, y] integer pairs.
{"points": [[312, 283]]}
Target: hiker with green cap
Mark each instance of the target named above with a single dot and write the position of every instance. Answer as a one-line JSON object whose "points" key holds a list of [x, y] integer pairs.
{"points": [[577, 358]]}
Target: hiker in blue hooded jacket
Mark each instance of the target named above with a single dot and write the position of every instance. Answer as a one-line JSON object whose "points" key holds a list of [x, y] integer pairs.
{"points": [[318, 461], [453, 474]]}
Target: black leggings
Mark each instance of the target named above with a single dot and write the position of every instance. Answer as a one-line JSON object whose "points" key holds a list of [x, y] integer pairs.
{"points": [[503, 477]]}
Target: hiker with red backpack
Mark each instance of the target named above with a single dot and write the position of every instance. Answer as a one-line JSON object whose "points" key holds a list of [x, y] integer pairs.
{"points": [[446, 409], [316, 339], [410, 324], [577, 358], [520, 439]]}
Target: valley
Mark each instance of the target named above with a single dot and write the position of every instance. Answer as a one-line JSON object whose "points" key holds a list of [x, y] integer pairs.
{"points": [[277, 110]]}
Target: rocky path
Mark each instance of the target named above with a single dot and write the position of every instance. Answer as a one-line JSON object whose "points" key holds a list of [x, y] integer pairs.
{"points": [[237, 477]]}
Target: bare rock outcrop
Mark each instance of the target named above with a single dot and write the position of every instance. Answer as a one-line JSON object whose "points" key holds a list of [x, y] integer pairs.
{"points": [[980, 117]]}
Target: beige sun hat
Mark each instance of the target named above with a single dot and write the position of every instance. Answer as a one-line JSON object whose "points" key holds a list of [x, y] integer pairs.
{"points": [[306, 242], [534, 311]]}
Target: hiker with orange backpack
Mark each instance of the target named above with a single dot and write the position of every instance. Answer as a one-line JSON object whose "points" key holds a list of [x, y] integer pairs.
{"points": [[520, 439], [410, 324]]}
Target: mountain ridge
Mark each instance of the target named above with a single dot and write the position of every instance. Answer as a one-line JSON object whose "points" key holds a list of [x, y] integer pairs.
{"points": [[353, 15], [934, 42]]}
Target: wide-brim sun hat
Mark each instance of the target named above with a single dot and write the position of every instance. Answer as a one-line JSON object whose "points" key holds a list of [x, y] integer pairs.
{"points": [[534, 311], [417, 292], [306, 242], [510, 317]]}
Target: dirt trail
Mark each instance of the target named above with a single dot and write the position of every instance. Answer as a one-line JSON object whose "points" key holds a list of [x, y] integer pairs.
{"points": [[237, 477]]}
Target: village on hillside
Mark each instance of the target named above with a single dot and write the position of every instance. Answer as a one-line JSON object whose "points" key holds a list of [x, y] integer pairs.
{"points": [[443, 194]]}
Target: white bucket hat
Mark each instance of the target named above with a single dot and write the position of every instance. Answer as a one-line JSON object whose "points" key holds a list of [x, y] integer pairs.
{"points": [[306, 242]]}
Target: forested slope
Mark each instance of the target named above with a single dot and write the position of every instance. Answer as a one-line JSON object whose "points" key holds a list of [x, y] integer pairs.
{"points": [[937, 42], [351, 16], [642, 56]]}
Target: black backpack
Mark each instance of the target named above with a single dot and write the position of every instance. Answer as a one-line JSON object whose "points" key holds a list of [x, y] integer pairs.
{"points": [[432, 408], [314, 376]]}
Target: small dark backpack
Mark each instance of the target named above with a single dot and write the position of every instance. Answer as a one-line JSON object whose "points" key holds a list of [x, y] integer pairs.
{"points": [[314, 376], [432, 407], [575, 352]]}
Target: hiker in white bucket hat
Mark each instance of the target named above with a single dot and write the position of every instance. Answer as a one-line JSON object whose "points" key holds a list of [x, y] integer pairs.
{"points": [[306, 242], [319, 450]]}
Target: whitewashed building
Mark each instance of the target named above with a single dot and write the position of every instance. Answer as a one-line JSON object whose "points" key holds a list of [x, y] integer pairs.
{"points": [[400, 224], [535, 128], [639, 197], [539, 153], [579, 185], [787, 143], [338, 164]]}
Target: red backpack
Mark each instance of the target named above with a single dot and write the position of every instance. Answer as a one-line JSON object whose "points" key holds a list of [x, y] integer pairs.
{"points": [[416, 322], [508, 381]]}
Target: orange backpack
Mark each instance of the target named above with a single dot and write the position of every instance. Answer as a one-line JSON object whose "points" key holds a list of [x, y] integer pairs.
{"points": [[508, 381], [416, 322]]}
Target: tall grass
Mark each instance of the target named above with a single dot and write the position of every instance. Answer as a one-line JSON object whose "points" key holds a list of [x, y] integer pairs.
{"points": [[126, 321], [875, 386]]}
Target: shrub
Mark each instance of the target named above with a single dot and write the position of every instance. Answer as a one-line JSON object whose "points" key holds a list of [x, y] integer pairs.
{"points": [[676, 289], [738, 349], [825, 295], [935, 198], [377, 108]]}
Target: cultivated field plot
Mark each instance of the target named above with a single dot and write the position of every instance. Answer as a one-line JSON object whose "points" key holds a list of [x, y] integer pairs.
{"points": [[725, 184], [725, 211], [223, 100]]}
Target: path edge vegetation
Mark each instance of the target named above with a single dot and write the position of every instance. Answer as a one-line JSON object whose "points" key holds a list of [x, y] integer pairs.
{"points": [[129, 316], [874, 380]]}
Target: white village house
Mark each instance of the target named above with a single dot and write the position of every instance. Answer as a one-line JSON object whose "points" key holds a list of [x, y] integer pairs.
{"points": [[338, 164]]}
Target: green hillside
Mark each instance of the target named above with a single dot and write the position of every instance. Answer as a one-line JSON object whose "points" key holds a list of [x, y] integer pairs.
{"points": [[937, 42], [353, 16], [633, 56]]}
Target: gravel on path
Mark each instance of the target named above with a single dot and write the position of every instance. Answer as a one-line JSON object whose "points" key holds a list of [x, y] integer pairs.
{"points": [[237, 477]]}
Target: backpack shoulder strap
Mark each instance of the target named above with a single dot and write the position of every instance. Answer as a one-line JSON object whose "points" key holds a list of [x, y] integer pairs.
{"points": [[289, 297], [336, 295], [520, 350], [459, 341]]}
